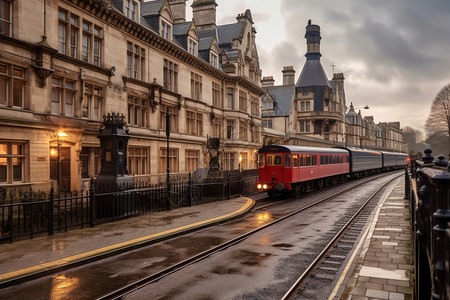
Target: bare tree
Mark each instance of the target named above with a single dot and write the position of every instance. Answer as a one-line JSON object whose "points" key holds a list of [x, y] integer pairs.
{"points": [[437, 126], [414, 139]]}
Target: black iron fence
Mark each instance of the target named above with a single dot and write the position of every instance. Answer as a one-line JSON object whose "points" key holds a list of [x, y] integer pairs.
{"points": [[428, 187], [37, 213]]}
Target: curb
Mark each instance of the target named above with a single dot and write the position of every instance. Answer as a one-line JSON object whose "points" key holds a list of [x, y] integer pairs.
{"points": [[19, 276]]}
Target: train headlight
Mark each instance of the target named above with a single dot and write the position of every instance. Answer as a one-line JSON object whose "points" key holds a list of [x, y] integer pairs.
{"points": [[265, 186], [259, 186]]}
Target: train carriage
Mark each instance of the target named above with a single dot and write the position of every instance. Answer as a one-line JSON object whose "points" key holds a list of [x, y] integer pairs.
{"points": [[286, 168], [363, 162], [392, 161]]}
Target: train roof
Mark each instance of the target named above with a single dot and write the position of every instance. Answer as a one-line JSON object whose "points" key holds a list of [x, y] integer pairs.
{"points": [[354, 149], [300, 149]]}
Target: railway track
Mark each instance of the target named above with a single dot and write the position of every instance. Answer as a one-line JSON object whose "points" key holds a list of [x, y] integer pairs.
{"points": [[122, 292], [318, 271]]}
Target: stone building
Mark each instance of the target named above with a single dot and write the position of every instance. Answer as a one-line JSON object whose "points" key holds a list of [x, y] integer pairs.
{"points": [[312, 110], [66, 63]]}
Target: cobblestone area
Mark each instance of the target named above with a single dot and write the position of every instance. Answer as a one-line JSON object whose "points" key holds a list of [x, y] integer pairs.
{"points": [[386, 266]]}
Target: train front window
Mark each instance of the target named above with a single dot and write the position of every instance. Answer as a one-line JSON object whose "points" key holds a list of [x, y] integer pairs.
{"points": [[287, 161], [261, 160], [273, 160]]}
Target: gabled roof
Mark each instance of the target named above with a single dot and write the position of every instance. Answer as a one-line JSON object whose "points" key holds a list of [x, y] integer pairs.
{"points": [[181, 28], [283, 96], [151, 8], [312, 75], [227, 33]]}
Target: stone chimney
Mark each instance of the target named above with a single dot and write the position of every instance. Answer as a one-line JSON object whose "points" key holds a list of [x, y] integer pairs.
{"points": [[288, 75], [204, 14], [178, 8], [267, 81]]}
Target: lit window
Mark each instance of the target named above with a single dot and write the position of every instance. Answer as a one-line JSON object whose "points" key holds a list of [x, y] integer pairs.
{"points": [[12, 161]]}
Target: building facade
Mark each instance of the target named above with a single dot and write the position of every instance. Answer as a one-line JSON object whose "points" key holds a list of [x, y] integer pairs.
{"points": [[66, 63]]}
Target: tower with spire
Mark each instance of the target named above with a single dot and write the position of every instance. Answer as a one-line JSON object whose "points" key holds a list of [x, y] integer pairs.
{"points": [[317, 108]]}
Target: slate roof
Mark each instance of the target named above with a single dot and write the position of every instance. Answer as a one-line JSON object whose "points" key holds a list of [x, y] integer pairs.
{"points": [[151, 8], [283, 96], [181, 29], [312, 75], [226, 33]]}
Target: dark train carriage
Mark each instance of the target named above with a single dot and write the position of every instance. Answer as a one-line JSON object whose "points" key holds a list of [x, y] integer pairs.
{"points": [[363, 161], [392, 161], [284, 168]]}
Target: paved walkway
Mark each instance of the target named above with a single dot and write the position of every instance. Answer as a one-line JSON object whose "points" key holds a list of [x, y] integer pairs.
{"points": [[44, 253], [384, 268]]}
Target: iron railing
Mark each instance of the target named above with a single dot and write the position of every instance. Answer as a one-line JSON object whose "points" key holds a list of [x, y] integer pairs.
{"points": [[428, 187], [49, 213]]}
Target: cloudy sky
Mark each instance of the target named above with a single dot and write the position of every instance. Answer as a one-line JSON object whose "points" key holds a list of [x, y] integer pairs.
{"points": [[395, 54]]}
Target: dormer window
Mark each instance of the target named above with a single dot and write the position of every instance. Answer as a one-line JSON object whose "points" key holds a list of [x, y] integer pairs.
{"points": [[193, 47], [214, 60], [131, 9], [166, 30]]}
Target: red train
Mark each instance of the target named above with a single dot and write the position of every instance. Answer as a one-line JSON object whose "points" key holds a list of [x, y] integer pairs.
{"points": [[300, 169]]}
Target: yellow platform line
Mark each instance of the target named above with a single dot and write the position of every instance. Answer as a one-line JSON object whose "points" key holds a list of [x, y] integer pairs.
{"points": [[79, 257]]}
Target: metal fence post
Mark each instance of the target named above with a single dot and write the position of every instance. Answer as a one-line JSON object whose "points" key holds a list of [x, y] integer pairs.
{"points": [[190, 189], [92, 203], [51, 208], [407, 184], [229, 186]]}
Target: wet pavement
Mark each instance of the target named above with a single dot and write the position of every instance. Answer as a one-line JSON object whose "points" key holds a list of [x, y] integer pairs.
{"points": [[383, 268], [45, 253]]}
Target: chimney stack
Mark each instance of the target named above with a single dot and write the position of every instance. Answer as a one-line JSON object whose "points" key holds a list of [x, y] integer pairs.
{"points": [[178, 8], [204, 14], [288, 75], [267, 81]]}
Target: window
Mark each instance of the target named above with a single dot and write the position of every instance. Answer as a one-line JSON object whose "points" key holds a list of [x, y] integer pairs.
{"points": [[214, 60], [173, 111], [90, 162], [255, 106], [135, 61], [287, 161], [295, 161], [217, 128], [56, 95], [12, 77], [261, 160], [305, 106], [194, 123], [192, 47], [170, 76], [62, 32], [255, 134], [12, 161], [243, 158], [305, 126], [230, 98], [92, 102], [192, 160], [131, 9], [138, 160], [273, 160], [5, 17], [230, 128], [166, 30], [242, 101], [196, 86], [228, 159], [216, 95], [267, 123], [243, 129], [173, 160], [91, 43], [62, 96], [137, 111]]}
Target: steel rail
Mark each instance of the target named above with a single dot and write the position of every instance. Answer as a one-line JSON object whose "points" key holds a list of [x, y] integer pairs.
{"points": [[121, 292], [328, 246]]}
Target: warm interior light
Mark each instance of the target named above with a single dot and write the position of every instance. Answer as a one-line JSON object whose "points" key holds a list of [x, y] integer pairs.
{"points": [[52, 151], [62, 133]]}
